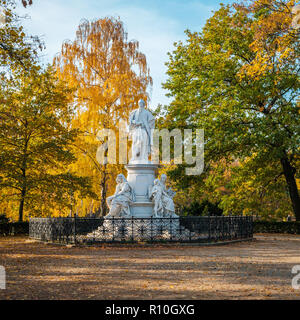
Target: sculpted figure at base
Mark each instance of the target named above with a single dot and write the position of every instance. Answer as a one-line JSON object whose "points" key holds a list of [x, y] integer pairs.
{"points": [[141, 125], [119, 203], [162, 198], [156, 195]]}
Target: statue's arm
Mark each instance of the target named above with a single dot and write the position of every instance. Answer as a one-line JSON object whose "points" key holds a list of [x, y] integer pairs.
{"points": [[125, 188], [152, 124], [151, 120], [135, 124], [164, 192], [152, 191], [118, 191], [171, 193]]}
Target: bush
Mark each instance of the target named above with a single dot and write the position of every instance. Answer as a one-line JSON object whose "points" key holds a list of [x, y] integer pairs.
{"points": [[204, 208], [14, 228], [291, 227], [3, 218]]}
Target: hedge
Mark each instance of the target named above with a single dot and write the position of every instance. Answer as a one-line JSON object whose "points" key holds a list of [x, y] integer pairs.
{"points": [[292, 227], [14, 228]]}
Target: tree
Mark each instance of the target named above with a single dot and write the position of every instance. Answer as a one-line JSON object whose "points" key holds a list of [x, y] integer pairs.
{"points": [[238, 79], [275, 35], [35, 141], [254, 190], [18, 51], [109, 75]]}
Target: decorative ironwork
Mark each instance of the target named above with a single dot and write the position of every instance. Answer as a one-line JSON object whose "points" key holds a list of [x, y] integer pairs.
{"points": [[100, 230]]}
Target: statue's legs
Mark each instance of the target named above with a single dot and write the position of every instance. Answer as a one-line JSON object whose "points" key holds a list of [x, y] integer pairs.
{"points": [[109, 201], [168, 206], [140, 145], [115, 211]]}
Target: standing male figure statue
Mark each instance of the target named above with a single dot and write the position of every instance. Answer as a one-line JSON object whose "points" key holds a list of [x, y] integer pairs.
{"points": [[141, 125]]}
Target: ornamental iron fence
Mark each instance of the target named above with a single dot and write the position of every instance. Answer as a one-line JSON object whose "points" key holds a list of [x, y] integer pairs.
{"points": [[78, 230]]}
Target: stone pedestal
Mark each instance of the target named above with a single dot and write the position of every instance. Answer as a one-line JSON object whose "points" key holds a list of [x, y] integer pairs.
{"points": [[141, 225], [141, 177]]}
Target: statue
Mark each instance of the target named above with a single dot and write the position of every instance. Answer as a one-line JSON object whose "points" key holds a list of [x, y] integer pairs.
{"points": [[120, 201], [141, 124], [156, 195], [162, 198]]}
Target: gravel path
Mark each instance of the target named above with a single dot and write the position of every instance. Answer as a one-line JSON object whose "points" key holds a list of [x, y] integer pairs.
{"points": [[260, 269]]}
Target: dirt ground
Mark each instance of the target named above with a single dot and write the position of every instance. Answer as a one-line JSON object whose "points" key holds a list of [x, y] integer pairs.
{"points": [[260, 269]]}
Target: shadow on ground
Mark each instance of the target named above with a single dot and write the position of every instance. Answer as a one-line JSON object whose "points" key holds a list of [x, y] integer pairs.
{"points": [[260, 269]]}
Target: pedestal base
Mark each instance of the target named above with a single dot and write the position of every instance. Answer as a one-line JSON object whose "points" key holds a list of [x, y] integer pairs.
{"points": [[142, 209], [141, 177]]}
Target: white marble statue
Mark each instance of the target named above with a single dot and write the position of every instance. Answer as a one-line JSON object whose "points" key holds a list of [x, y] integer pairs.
{"points": [[156, 196], [119, 203], [162, 198], [141, 125]]}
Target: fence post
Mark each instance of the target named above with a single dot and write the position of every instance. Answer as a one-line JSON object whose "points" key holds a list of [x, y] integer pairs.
{"points": [[132, 231], [75, 229], [209, 235], [151, 229], [222, 228], [190, 232], [113, 227], [171, 228]]}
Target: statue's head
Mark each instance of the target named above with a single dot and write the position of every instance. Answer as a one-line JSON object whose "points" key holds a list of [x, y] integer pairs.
{"points": [[141, 103], [163, 178], [120, 178], [156, 182]]}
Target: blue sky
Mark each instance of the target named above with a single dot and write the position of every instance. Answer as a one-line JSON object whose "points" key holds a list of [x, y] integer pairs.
{"points": [[156, 24]]}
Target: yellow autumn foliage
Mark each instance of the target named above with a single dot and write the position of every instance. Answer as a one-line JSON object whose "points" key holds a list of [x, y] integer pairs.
{"points": [[109, 75]]}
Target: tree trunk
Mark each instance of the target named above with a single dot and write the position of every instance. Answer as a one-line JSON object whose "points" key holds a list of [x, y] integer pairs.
{"points": [[289, 173], [21, 205], [24, 183], [23, 192], [103, 185]]}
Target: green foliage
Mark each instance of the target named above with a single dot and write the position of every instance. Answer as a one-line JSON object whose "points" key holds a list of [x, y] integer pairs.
{"points": [[203, 208], [250, 118], [35, 144], [14, 228], [256, 190], [18, 51], [291, 227]]}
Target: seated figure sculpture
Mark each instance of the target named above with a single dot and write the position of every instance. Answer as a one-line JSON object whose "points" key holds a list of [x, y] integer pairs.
{"points": [[162, 198], [119, 203]]}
